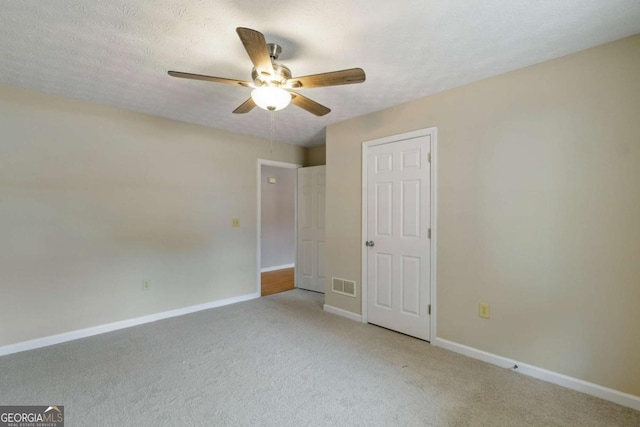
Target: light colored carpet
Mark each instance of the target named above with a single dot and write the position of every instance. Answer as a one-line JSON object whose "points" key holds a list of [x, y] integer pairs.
{"points": [[282, 361]]}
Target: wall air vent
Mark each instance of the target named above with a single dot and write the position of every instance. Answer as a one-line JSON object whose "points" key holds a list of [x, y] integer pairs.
{"points": [[343, 286]]}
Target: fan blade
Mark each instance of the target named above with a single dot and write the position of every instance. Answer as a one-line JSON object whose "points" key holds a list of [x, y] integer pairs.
{"points": [[245, 107], [311, 106], [333, 78], [209, 78], [256, 46]]}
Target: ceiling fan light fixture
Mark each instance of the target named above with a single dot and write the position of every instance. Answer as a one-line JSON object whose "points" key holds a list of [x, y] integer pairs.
{"points": [[270, 78], [271, 98]]}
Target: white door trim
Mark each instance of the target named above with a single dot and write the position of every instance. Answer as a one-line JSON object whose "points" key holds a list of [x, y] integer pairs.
{"points": [[275, 163], [434, 229]]}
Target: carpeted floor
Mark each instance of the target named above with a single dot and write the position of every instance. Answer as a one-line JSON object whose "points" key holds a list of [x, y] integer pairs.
{"points": [[281, 361]]}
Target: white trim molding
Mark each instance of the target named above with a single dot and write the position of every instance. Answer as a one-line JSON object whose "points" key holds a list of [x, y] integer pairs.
{"points": [[109, 327], [344, 313], [615, 396], [277, 267]]}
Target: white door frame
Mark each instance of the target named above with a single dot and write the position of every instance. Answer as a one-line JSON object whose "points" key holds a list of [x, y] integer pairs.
{"points": [[434, 233], [286, 165]]}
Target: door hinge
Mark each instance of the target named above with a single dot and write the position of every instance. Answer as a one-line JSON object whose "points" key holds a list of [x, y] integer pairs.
{"points": [[429, 233], [429, 157], [429, 309]]}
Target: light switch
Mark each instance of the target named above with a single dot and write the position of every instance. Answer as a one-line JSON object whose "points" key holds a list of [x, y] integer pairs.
{"points": [[271, 180], [235, 222], [483, 310]]}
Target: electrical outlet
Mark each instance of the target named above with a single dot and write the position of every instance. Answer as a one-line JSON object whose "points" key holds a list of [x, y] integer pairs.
{"points": [[146, 286], [235, 222], [484, 311]]}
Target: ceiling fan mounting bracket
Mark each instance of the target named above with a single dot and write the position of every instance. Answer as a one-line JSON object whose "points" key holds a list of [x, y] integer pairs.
{"points": [[274, 50]]}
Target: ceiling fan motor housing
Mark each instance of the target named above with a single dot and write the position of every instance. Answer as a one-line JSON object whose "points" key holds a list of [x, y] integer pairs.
{"points": [[280, 76], [280, 73]]}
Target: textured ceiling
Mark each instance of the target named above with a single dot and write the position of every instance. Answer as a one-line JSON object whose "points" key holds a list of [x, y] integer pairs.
{"points": [[117, 52]]}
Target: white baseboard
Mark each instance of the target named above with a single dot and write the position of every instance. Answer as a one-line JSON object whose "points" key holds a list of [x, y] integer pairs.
{"points": [[344, 313], [109, 327], [592, 389], [277, 267]]}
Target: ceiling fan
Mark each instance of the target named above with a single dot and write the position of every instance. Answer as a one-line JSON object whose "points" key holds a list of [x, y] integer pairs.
{"points": [[272, 82]]}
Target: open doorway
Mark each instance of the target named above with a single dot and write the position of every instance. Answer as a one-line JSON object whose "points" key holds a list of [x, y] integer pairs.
{"points": [[276, 226]]}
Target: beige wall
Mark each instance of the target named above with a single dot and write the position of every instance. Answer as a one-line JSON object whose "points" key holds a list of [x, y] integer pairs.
{"points": [[96, 200], [538, 211], [315, 156]]}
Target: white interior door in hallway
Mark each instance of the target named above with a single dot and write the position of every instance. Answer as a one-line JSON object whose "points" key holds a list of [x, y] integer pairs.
{"points": [[310, 245], [398, 228]]}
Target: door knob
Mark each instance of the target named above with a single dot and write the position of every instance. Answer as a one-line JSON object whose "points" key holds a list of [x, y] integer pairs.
{"points": [[370, 243]]}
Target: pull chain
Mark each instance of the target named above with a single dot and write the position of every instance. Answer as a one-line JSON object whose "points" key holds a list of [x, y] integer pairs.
{"points": [[272, 113]]}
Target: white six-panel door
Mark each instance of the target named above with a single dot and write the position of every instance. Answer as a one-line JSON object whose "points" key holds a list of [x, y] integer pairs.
{"points": [[310, 231], [398, 198]]}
